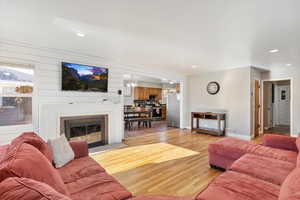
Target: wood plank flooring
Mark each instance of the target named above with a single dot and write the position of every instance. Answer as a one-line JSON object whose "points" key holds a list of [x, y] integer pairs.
{"points": [[184, 175], [176, 164], [137, 156], [157, 126]]}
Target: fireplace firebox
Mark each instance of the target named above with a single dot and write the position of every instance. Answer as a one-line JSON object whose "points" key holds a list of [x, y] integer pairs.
{"points": [[92, 129]]}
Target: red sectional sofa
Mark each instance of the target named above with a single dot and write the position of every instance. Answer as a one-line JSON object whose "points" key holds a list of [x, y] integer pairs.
{"points": [[255, 172], [27, 173]]}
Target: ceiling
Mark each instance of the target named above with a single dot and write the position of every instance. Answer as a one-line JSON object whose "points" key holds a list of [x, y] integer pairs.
{"points": [[149, 79], [173, 35]]}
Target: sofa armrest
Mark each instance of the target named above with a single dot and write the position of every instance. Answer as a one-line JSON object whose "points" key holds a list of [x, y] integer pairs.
{"points": [[280, 142], [80, 148]]}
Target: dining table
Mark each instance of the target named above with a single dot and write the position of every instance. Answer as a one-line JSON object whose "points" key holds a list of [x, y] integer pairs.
{"points": [[143, 117]]}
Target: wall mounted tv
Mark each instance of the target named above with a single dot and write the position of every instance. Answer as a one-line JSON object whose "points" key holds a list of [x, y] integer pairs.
{"points": [[76, 77]]}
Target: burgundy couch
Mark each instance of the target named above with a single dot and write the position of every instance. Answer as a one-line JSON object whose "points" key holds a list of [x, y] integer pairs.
{"points": [[27, 173], [255, 172]]}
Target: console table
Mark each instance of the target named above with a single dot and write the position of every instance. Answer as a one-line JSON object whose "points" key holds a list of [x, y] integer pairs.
{"points": [[209, 123]]}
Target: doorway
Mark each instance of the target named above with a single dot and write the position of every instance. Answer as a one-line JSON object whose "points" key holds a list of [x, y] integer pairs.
{"points": [[277, 107], [151, 105]]}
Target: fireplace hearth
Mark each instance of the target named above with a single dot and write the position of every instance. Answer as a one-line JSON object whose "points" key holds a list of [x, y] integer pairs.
{"points": [[92, 129]]}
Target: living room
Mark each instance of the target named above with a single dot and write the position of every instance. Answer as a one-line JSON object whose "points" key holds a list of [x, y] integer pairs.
{"points": [[67, 70]]}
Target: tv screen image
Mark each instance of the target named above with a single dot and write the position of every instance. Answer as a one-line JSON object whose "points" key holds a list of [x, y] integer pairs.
{"points": [[77, 77]]}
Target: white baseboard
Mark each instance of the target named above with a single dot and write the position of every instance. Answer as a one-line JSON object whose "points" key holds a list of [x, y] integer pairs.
{"points": [[234, 135], [243, 137]]}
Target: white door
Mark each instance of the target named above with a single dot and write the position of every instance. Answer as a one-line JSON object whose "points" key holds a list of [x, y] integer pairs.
{"points": [[283, 105]]}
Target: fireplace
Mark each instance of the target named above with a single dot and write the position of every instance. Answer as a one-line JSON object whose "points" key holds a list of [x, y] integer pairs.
{"points": [[92, 129]]}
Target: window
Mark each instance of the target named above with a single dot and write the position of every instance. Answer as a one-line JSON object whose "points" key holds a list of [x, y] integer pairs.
{"points": [[16, 88]]}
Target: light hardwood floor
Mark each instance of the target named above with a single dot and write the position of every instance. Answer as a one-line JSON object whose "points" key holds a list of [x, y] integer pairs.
{"points": [[173, 162], [184, 173], [157, 126]]}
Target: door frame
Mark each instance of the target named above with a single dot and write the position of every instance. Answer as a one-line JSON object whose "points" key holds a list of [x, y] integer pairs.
{"points": [[257, 108], [291, 101]]}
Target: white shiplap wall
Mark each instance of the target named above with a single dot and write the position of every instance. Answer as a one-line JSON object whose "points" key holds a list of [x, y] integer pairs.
{"points": [[47, 78], [47, 81]]}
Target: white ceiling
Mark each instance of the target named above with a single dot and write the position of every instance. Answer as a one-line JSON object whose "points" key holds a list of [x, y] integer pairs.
{"points": [[169, 34], [149, 79]]}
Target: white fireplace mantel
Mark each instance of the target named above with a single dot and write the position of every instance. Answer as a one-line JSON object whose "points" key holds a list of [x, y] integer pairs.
{"points": [[50, 114]]}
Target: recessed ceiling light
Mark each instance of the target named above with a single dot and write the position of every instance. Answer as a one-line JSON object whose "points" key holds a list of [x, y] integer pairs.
{"points": [[289, 64], [274, 50], [80, 34], [171, 82], [194, 66]]}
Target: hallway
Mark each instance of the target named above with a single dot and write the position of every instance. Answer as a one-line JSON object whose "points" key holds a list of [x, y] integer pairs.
{"points": [[280, 130]]}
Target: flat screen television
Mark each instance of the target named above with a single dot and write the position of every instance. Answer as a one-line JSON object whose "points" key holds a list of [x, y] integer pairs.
{"points": [[76, 77]]}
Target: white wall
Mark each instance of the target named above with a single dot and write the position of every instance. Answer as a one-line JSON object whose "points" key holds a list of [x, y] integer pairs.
{"points": [[47, 79], [128, 100], [149, 85], [233, 97], [293, 73]]}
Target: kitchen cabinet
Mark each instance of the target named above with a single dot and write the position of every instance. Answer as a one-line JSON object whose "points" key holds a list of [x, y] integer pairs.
{"points": [[164, 112], [177, 88], [137, 93], [142, 93]]}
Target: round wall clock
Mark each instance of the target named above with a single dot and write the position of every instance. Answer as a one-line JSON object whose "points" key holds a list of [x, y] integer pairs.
{"points": [[213, 87]]}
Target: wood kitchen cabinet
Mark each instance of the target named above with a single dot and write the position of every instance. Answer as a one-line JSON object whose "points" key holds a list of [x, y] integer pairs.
{"points": [[164, 112], [137, 93], [142, 93], [178, 88], [146, 93]]}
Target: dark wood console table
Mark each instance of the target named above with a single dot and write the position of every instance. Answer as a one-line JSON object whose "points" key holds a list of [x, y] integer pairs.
{"points": [[219, 118]]}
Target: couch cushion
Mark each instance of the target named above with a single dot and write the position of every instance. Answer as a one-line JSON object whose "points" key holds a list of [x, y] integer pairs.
{"points": [[36, 141], [298, 147], [28, 189], [285, 155], [79, 168], [149, 197], [100, 186], [268, 169], [3, 152], [231, 147], [235, 148], [24, 160], [280, 142], [290, 189], [236, 186]]}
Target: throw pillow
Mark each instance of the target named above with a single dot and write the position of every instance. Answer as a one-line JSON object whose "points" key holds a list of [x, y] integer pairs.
{"points": [[62, 151]]}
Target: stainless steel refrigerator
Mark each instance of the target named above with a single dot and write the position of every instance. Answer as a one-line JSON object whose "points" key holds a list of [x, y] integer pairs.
{"points": [[173, 110]]}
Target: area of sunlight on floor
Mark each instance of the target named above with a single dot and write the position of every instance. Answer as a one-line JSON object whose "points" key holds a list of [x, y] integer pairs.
{"points": [[133, 157]]}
